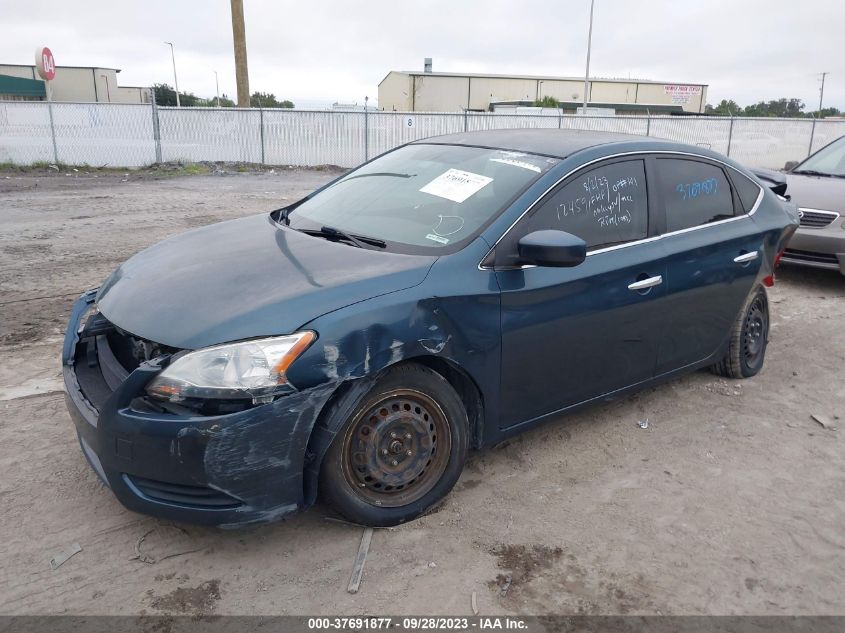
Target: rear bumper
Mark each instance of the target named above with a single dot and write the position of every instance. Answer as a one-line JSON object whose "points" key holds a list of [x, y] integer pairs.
{"points": [[817, 248], [228, 470]]}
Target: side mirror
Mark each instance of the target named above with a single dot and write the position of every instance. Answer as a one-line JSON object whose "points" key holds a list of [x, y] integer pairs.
{"points": [[552, 248], [790, 165]]}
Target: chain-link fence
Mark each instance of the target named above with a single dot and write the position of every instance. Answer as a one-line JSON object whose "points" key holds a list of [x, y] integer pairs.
{"points": [[134, 135]]}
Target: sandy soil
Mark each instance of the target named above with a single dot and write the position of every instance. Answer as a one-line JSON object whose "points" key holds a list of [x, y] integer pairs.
{"points": [[732, 501]]}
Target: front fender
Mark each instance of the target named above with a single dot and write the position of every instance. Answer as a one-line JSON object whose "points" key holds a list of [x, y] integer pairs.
{"points": [[454, 316]]}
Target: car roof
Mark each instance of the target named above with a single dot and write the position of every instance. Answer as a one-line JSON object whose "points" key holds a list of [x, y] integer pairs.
{"points": [[556, 143]]}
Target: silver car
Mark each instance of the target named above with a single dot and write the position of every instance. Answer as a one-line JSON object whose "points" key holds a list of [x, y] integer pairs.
{"points": [[817, 186]]}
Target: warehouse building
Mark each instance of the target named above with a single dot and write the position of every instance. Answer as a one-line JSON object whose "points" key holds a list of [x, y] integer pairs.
{"points": [[19, 82], [428, 91]]}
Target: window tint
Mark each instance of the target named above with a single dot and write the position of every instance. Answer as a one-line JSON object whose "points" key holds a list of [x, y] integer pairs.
{"points": [[695, 193], [748, 190], [603, 206]]}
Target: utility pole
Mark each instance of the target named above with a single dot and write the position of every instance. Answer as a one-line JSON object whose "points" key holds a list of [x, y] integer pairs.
{"points": [[175, 81], [589, 44], [821, 92], [217, 87], [239, 37]]}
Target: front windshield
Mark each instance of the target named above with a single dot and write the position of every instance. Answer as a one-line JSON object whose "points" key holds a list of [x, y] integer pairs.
{"points": [[829, 160], [422, 197]]}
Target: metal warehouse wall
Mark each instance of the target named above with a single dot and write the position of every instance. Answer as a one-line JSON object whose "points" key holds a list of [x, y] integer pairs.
{"points": [[74, 84], [432, 92]]}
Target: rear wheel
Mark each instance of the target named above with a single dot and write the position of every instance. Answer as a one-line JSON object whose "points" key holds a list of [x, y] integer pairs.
{"points": [[400, 452], [749, 339]]}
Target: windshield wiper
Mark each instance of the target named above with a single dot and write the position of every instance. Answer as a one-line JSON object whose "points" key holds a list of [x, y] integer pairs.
{"points": [[357, 240], [813, 172], [380, 173]]}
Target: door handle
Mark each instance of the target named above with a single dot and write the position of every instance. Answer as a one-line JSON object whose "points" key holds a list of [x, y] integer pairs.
{"points": [[746, 257], [646, 283]]}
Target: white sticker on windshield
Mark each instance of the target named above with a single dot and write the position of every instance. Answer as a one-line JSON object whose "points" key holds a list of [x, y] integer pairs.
{"points": [[437, 238], [456, 185], [517, 163]]}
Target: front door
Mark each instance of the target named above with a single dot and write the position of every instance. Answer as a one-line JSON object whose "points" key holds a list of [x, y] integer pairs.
{"points": [[573, 334]]}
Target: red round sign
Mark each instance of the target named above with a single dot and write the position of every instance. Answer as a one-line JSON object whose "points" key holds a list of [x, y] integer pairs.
{"points": [[45, 64]]}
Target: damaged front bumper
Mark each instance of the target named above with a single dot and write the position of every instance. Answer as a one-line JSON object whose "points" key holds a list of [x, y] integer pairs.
{"points": [[225, 470]]}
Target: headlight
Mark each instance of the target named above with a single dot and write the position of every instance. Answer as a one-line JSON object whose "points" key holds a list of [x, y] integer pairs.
{"points": [[251, 369]]}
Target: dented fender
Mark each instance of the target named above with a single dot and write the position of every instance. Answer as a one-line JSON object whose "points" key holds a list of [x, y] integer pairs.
{"points": [[456, 325]]}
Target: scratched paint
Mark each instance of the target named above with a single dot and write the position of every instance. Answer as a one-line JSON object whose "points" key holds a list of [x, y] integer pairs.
{"points": [[258, 457]]}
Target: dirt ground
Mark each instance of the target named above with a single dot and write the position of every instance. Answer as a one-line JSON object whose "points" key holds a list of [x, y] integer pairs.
{"points": [[732, 501]]}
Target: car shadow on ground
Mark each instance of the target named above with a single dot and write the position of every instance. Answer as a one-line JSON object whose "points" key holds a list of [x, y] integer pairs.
{"points": [[829, 281]]}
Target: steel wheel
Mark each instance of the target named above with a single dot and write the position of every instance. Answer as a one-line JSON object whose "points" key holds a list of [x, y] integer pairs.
{"points": [[755, 332], [397, 450]]}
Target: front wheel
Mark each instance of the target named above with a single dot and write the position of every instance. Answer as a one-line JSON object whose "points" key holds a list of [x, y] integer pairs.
{"points": [[401, 450], [749, 338]]}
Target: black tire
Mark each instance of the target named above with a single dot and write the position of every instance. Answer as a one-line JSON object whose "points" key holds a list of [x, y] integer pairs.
{"points": [[749, 338], [383, 467]]}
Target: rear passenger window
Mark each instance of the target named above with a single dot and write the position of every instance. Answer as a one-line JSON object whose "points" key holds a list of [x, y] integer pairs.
{"points": [[748, 191], [604, 206], [694, 193]]}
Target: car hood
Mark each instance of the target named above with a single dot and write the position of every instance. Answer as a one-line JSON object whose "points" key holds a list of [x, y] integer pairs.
{"points": [[245, 278], [817, 192], [774, 180]]}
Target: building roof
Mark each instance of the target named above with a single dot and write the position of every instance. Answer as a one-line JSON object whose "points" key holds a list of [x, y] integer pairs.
{"points": [[556, 143], [21, 86], [117, 70], [419, 73], [569, 106]]}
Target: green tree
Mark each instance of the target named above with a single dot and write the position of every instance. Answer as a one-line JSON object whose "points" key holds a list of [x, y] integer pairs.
{"points": [[782, 108], [547, 102], [166, 96], [211, 102], [268, 100], [225, 102], [820, 114], [726, 107], [776, 108]]}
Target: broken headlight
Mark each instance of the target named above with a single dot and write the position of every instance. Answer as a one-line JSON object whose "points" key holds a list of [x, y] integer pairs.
{"points": [[249, 369]]}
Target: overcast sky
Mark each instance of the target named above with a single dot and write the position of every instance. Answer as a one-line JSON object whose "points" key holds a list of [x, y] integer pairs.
{"points": [[328, 50]]}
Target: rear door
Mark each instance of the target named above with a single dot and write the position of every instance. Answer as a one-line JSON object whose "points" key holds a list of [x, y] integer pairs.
{"points": [[573, 334], [714, 252]]}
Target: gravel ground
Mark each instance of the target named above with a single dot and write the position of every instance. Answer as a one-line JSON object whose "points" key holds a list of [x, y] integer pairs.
{"points": [[732, 501]]}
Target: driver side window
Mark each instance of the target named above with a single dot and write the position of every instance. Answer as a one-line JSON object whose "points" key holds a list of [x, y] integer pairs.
{"points": [[603, 206]]}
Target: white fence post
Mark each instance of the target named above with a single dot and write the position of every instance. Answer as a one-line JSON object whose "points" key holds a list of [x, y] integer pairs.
{"points": [[812, 136], [156, 128], [366, 132], [730, 135], [261, 130]]}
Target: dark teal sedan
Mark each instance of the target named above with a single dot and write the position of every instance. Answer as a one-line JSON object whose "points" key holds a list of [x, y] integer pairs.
{"points": [[439, 298]]}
